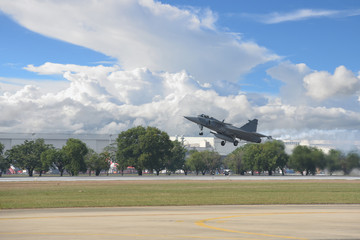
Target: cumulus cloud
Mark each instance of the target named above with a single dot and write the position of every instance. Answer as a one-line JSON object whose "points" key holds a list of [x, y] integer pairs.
{"points": [[103, 101], [311, 100], [144, 33], [303, 85], [56, 68], [12, 85], [97, 100], [292, 75], [322, 85], [171, 62]]}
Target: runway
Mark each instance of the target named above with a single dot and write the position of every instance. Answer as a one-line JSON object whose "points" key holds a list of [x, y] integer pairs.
{"points": [[174, 178], [195, 222]]}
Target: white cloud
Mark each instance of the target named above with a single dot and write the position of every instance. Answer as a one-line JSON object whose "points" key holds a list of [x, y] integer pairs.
{"points": [[144, 33], [99, 101], [56, 68], [172, 62], [322, 85], [12, 85], [297, 15], [303, 85], [295, 114], [292, 76], [302, 14]]}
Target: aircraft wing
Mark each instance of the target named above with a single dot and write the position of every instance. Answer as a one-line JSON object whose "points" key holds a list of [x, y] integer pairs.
{"points": [[240, 133], [259, 134]]}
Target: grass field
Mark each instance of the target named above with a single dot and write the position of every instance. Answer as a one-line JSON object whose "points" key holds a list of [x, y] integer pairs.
{"points": [[169, 193]]}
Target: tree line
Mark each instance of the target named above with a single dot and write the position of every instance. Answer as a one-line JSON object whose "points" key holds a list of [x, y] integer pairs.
{"points": [[139, 147], [151, 149], [307, 160], [35, 155]]}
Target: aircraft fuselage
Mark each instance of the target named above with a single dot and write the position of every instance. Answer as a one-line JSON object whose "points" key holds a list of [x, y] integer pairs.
{"points": [[228, 132]]}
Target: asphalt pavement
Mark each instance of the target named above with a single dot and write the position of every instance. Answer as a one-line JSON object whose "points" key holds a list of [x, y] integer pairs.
{"points": [[195, 222]]}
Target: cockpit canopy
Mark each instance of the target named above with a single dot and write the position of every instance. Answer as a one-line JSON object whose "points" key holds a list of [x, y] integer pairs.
{"points": [[204, 116]]}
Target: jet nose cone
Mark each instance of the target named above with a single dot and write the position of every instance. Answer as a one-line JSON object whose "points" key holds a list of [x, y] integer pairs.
{"points": [[193, 119]]}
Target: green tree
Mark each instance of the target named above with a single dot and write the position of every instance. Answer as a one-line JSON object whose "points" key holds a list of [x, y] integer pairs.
{"points": [[258, 157], [235, 161], [41, 147], [251, 157], [4, 162], [55, 158], [128, 149], [28, 155], [333, 159], [282, 157], [272, 156], [196, 162], [97, 162], [186, 167], [75, 151], [318, 156], [299, 158], [212, 161], [177, 159], [109, 157], [307, 159], [111, 151], [204, 161], [143, 148], [351, 161], [155, 147]]}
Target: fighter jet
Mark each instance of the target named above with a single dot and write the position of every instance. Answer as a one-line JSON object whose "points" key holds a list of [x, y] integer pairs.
{"points": [[228, 132]]}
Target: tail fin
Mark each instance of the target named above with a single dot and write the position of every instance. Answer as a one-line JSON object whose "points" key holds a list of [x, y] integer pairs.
{"points": [[251, 126]]}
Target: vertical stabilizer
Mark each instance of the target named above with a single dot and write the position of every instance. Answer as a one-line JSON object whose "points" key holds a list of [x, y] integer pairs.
{"points": [[251, 126]]}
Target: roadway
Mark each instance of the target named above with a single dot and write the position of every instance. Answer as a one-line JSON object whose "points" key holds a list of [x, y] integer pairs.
{"points": [[174, 177], [195, 222]]}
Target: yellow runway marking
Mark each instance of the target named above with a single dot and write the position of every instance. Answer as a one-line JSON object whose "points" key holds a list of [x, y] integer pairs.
{"points": [[205, 223], [156, 236], [202, 223]]}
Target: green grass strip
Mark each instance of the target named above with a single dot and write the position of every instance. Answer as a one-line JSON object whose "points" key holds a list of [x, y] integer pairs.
{"points": [[17, 195]]}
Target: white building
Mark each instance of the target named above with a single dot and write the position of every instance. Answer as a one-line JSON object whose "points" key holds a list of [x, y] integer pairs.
{"points": [[99, 141], [206, 143], [324, 145], [95, 141], [211, 143]]}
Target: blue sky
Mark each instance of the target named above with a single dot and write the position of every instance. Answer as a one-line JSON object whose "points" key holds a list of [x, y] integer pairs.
{"points": [[21, 46], [292, 64], [301, 40], [322, 42]]}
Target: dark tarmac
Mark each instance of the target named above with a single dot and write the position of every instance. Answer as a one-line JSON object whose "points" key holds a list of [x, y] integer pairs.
{"points": [[174, 178], [195, 222]]}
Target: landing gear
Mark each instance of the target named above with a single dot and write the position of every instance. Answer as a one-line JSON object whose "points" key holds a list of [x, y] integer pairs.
{"points": [[201, 130], [235, 142]]}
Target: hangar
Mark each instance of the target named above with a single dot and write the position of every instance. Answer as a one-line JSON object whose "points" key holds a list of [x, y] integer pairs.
{"points": [[95, 141], [99, 141]]}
